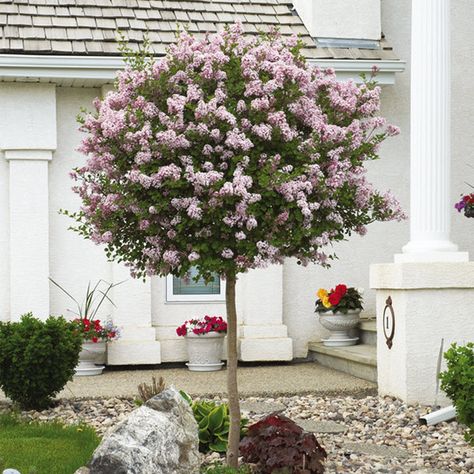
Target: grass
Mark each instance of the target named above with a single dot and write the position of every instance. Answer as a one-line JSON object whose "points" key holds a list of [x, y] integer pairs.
{"points": [[44, 448], [220, 469]]}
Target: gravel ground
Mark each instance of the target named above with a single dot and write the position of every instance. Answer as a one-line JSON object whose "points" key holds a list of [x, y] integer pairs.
{"points": [[361, 435]]}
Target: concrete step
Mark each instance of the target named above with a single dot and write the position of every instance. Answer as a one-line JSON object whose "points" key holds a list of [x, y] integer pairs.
{"points": [[368, 331], [359, 360]]}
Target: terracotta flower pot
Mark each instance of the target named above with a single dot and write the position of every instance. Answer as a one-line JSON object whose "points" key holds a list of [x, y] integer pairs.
{"points": [[92, 353], [205, 351], [340, 325]]}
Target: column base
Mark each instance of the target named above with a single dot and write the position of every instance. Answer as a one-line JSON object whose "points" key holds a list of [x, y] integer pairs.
{"points": [[256, 344], [265, 343], [136, 346], [431, 256], [133, 352], [432, 302]]}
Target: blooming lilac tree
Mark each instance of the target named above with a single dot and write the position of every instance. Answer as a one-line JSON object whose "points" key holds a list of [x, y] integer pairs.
{"points": [[229, 154]]}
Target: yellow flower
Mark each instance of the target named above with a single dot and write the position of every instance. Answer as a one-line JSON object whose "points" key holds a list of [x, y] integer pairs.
{"points": [[325, 301], [322, 293]]}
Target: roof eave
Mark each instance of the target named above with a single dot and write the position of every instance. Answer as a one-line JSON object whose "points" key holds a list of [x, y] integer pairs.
{"points": [[98, 70], [353, 68]]}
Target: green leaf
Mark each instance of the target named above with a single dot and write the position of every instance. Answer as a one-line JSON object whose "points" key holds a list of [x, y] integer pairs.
{"points": [[219, 446], [216, 417], [204, 436]]}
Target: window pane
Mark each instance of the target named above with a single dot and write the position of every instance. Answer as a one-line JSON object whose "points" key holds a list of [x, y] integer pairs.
{"points": [[188, 286]]}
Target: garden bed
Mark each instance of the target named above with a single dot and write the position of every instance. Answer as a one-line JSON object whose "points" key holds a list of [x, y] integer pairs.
{"points": [[363, 435]]}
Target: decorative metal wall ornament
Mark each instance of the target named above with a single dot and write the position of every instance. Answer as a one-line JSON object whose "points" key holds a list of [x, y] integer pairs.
{"points": [[388, 322]]}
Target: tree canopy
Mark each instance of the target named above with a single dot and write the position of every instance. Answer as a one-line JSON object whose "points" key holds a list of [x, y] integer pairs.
{"points": [[227, 154]]}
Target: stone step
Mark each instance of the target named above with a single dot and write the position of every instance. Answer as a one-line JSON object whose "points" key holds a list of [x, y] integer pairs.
{"points": [[368, 331], [359, 360]]}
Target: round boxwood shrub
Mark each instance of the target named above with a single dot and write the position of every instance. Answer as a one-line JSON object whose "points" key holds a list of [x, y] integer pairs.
{"points": [[37, 359]]}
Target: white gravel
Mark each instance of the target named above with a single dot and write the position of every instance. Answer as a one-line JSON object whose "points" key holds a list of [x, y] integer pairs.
{"points": [[374, 435]]}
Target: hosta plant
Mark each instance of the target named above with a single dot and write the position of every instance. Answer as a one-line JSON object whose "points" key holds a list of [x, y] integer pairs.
{"points": [[228, 154], [213, 422], [278, 445], [458, 383]]}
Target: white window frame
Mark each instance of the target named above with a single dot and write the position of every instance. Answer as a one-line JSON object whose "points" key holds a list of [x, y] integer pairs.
{"points": [[172, 298]]}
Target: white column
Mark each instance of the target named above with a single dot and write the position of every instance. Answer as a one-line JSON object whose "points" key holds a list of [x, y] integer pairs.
{"points": [[430, 207], [132, 313], [29, 232], [431, 277], [28, 140]]}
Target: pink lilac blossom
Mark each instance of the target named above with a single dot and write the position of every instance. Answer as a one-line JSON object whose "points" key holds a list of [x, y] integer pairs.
{"points": [[205, 176]]}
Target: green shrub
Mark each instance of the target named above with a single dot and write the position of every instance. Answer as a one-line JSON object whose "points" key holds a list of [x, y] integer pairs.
{"points": [[458, 383], [37, 359], [213, 422]]}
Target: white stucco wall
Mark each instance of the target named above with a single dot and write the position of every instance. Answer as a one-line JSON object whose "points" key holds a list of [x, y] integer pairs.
{"points": [[343, 19], [73, 261]]}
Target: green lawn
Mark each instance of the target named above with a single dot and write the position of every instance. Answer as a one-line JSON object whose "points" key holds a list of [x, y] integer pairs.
{"points": [[44, 448]]}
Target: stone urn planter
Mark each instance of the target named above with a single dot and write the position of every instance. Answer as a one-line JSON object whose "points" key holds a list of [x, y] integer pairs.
{"points": [[205, 351], [90, 358], [340, 325]]}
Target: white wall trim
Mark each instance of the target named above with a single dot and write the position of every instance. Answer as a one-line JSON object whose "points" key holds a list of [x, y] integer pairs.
{"points": [[29, 154], [352, 68], [102, 69]]}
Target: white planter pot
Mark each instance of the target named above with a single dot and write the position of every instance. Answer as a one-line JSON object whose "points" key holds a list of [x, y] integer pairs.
{"points": [[205, 351], [92, 353], [340, 326]]}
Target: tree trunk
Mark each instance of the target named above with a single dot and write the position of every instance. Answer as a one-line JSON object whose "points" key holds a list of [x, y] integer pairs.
{"points": [[232, 390]]}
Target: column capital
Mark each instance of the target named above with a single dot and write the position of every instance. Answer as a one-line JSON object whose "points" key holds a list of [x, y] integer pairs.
{"points": [[28, 154]]}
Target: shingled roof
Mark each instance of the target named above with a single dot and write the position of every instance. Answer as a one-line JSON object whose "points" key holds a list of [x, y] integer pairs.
{"points": [[89, 27]]}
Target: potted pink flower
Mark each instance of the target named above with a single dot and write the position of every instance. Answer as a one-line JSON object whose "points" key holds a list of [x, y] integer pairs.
{"points": [[204, 342]]}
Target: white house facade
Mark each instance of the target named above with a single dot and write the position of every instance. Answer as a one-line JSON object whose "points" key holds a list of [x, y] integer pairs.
{"points": [[55, 59]]}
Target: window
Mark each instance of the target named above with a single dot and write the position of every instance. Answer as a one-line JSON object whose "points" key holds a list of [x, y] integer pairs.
{"points": [[187, 289]]}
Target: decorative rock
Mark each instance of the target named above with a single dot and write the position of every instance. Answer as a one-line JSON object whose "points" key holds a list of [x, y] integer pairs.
{"points": [[314, 426], [160, 437], [83, 470], [376, 450], [261, 407]]}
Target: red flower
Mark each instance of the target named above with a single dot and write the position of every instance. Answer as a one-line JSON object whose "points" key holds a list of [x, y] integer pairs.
{"points": [[334, 298], [336, 294], [95, 339], [341, 289]]}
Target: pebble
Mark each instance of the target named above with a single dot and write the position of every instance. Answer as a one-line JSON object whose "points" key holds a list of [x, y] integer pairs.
{"points": [[361, 435]]}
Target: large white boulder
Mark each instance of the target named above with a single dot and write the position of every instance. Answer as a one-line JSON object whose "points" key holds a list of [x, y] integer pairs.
{"points": [[161, 437]]}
